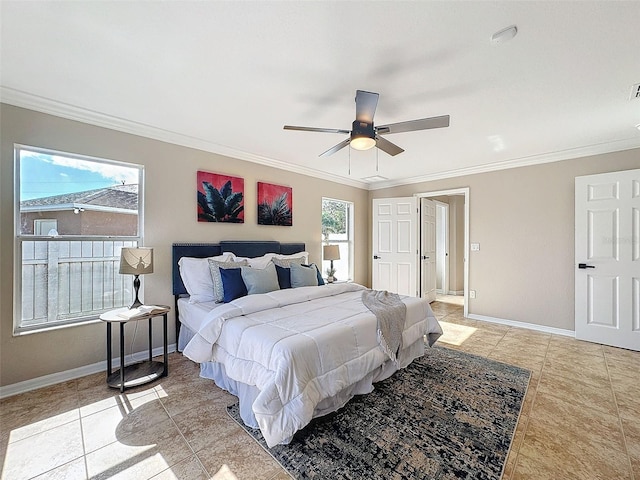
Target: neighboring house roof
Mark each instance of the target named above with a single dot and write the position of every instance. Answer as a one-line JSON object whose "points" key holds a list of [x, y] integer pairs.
{"points": [[115, 198]]}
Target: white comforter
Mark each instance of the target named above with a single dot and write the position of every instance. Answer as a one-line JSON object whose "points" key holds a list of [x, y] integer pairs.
{"points": [[299, 347]]}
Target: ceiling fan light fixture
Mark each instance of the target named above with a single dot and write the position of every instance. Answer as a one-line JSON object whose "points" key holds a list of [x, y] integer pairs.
{"points": [[363, 136], [362, 142]]}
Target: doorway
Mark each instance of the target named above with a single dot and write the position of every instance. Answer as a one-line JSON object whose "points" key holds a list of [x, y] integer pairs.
{"points": [[442, 247], [452, 267]]}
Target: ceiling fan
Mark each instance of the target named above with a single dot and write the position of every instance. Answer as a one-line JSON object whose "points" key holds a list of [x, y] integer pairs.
{"points": [[364, 135]]}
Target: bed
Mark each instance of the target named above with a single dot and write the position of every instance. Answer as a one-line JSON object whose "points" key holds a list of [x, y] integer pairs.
{"points": [[288, 354]]}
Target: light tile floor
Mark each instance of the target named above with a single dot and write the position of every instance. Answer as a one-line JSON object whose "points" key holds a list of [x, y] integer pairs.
{"points": [[580, 420], [581, 415]]}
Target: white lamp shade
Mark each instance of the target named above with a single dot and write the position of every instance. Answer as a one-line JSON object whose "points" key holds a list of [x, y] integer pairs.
{"points": [[136, 260], [331, 252]]}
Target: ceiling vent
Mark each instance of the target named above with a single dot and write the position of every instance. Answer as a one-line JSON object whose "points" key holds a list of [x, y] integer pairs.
{"points": [[635, 92], [374, 178]]}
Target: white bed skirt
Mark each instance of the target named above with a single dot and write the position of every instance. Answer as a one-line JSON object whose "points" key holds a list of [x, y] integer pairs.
{"points": [[184, 337]]}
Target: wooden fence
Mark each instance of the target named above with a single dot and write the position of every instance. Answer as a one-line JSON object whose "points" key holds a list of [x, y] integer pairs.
{"points": [[72, 279]]}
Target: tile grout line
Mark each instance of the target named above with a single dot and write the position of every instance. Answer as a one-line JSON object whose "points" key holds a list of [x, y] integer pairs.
{"points": [[194, 453], [615, 401], [84, 447], [533, 400], [514, 448], [83, 456]]}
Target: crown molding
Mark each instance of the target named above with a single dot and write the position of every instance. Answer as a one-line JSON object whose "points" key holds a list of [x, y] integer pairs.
{"points": [[589, 150], [40, 104], [45, 105]]}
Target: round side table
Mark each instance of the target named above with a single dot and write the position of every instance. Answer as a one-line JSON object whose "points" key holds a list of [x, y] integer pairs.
{"points": [[141, 372]]}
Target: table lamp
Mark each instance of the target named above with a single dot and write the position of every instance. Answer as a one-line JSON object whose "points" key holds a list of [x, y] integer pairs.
{"points": [[331, 253], [136, 261]]}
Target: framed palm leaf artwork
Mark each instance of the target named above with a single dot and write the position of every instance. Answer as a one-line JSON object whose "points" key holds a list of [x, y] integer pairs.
{"points": [[220, 198], [275, 204]]}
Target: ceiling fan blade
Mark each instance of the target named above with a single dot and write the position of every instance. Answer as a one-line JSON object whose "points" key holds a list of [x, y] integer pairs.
{"points": [[366, 103], [388, 147], [314, 129], [412, 125], [335, 148]]}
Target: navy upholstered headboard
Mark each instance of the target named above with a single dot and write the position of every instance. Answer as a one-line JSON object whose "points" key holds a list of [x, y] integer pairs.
{"points": [[241, 248]]}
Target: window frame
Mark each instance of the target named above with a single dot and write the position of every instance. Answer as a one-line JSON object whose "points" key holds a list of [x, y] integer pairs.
{"points": [[350, 241], [20, 238]]}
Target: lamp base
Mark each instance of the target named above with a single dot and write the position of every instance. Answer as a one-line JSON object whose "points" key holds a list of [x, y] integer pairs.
{"points": [[333, 277], [135, 304], [136, 286]]}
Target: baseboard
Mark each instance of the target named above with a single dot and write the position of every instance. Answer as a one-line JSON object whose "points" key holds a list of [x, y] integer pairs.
{"points": [[52, 379], [530, 326], [456, 292]]}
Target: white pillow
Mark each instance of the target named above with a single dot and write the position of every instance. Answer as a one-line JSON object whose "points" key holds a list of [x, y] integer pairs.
{"points": [[196, 277], [303, 255], [261, 262], [258, 280], [286, 263]]}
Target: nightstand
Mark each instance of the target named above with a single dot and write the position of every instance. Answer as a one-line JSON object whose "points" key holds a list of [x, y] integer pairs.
{"points": [[141, 372]]}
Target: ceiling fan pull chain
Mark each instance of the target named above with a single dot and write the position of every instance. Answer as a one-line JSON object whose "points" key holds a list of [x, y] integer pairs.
{"points": [[377, 163], [349, 161]]}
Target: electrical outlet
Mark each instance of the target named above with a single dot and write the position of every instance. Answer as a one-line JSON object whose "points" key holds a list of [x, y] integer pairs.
{"points": [[475, 247], [472, 294]]}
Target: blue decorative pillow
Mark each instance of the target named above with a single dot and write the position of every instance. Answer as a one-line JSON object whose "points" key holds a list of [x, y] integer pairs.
{"points": [[233, 284], [284, 277], [260, 280], [303, 276], [215, 267]]}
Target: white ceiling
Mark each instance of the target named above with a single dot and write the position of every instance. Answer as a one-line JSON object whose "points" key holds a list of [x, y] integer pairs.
{"points": [[226, 76]]}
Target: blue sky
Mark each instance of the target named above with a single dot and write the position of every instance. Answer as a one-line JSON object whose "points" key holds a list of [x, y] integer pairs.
{"points": [[44, 175]]}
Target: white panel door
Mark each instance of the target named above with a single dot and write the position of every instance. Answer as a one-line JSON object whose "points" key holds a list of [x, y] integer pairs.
{"points": [[607, 256], [428, 249], [395, 254]]}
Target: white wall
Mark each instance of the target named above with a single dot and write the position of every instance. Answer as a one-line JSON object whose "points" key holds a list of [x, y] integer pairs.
{"points": [[170, 216], [523, 219]]}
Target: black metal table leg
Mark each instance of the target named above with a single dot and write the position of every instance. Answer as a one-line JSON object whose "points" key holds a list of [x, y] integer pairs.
{"points": [[166, 347], [150, 340], [109, 359], [122, 324]]}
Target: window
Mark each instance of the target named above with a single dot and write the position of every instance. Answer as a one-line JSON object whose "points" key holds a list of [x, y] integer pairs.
{"points": [[337, 229], [45, 226], [73, 214]]}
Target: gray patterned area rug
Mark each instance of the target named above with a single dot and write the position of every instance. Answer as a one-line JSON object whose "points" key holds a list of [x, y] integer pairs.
{"points": [[448, 415]]}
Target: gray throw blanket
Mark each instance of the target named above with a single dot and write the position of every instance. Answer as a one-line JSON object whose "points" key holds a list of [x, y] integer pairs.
{"points": [[391, 313]]}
